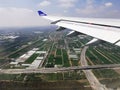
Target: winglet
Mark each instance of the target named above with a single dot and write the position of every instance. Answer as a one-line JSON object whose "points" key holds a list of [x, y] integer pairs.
{"points": [[42, 13]]}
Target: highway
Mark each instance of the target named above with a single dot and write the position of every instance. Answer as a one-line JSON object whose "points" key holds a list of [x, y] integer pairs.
{"points": [[58, 70], [95, 84]]}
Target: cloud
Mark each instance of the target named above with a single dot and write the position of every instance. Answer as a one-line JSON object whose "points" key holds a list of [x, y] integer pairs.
{"points": [[89, 2], [85, 11], [14, 11], [44, 3], [101, 10], [19, 17], [88, 9], [108, 4], [67, 3]]}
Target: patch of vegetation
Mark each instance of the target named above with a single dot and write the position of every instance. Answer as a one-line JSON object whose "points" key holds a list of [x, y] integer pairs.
{"points": [[105, 73], [74, 62], [58, 52], [38, 85], [54, 76], [58, 60], [65, 59], [7, 77], [32, 58], [23, 50], [51, 58]]}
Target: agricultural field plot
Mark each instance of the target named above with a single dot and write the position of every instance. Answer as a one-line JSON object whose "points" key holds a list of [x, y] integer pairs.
{"points": [[106, 73], [64, 76], [11, 45], [66, 61], [85, 39], [99, 55], [73, 43], [47, 46], [14, 45], [18, 53], [61, 43], [50, 59], [74, 46], [58, 52], [97, 58], [39, 44], [111, 55], [74, 62], [17, 77], [59, 57], [32, 58]]}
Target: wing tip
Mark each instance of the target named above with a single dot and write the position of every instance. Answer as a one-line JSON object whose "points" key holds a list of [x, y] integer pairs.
{"points": [[42, 13]]}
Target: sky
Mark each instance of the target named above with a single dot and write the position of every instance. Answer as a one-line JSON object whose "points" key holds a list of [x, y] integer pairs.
{"points": [[23, 13]]}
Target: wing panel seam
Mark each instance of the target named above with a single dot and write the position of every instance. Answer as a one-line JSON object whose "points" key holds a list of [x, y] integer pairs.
{"points": [[85, 23]]}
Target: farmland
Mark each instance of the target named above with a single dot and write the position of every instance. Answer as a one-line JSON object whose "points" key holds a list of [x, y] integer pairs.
{"points": [[61, 52]]}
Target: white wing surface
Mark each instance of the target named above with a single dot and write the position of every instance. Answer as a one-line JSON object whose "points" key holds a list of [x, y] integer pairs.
{"points": [[104, 29]]}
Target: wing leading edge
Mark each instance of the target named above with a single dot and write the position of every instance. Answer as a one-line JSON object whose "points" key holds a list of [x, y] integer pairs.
{"points": [[104, 29]]}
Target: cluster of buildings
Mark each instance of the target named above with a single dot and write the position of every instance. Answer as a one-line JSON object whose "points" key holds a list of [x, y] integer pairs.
{"points": [[38, 61], [35, 64], [73, 55]]}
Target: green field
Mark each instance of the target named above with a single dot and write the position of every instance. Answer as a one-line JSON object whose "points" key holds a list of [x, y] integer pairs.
{"points": [[103, 56], [58, 52], [31, 58], [65, 59], [19, 52]]}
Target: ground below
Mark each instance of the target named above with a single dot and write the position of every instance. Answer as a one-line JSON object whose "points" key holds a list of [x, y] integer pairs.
{"points": [[38, 85]]}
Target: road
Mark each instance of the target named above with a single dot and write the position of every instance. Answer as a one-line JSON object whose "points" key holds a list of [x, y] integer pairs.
{"points": [[95, 84], [59, 70]]}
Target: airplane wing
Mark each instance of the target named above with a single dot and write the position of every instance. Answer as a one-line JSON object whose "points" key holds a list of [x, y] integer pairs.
{"points": [[104, 29]]}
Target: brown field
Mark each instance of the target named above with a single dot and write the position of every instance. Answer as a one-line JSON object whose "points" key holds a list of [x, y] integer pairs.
{"points": [[36, 85]]}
